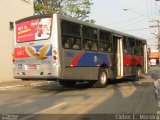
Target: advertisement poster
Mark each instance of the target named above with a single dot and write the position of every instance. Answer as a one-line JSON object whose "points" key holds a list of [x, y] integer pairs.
{"points": [[36, 29], [154, 54]]}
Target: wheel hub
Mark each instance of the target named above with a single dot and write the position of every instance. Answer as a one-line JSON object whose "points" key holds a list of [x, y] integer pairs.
{"points": [[103, 78]]}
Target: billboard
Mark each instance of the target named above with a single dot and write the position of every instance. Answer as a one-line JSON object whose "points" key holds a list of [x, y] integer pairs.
{"points": [[36, 29], [154, 54]]}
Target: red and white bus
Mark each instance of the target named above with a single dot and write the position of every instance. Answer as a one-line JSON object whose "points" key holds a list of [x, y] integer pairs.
{"points": [[57, 47]]}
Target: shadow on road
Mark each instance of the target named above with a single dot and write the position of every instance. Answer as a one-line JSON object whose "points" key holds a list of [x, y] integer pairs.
{"points": [[55, 86], [124, 96]]}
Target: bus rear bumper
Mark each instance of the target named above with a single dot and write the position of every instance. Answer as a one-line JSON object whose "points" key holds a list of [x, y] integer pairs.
{"points": [[36, 74], [52, 78]]}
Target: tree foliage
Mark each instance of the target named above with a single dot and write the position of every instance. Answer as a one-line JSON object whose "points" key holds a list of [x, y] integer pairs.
{"points": [[79, 9]]}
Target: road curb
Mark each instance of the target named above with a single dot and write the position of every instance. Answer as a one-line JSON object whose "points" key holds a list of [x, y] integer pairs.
{"points": [[15, 86]]}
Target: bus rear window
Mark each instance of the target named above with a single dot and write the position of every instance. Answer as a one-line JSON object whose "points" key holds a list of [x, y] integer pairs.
{"points": [[35, 29]]}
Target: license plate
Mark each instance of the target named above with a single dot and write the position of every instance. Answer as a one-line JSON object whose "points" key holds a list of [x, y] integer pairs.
{"points": [[33, 67]]}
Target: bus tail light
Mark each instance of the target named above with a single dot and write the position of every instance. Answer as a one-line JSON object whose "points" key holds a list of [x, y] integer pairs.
{"points": [[13, 58], [55, 57], [72, 65]]}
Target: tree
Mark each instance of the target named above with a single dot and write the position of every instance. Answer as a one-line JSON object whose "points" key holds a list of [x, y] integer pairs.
{"points": [[79, 9]]}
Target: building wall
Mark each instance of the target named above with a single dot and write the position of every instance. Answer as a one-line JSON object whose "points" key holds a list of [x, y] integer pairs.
{"points": [[10, 11]]}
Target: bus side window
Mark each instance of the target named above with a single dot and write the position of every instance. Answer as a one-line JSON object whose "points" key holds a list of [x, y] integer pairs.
{"points": [[86, 45], [125, 45], [71, 38], [90, 41], [101, 47], [65, 42], [137, 48], [77, 43], [94, 46], [131, 46], [105, 41]]}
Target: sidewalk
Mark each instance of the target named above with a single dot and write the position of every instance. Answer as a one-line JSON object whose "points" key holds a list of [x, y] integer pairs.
{"points": [[20, 83]]}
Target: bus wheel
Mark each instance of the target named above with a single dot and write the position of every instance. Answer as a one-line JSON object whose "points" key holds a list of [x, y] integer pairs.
{"points": [[102, 78]]}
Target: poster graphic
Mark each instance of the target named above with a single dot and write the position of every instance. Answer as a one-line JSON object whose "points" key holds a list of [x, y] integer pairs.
{"points": [[36, 29]]}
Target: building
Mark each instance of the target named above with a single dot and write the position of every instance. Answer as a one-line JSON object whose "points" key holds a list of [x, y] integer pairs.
{"points": [[10, 11], [154, 57]]}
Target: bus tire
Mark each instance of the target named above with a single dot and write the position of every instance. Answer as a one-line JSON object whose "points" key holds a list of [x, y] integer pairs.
{"points": [[102, 78]]}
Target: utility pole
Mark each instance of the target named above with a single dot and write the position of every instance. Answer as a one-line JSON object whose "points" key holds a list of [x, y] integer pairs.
{"points": [[158, 34]]}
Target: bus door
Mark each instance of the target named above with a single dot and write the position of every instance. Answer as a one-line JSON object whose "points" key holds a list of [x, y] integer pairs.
{"points": [[118, 56]]}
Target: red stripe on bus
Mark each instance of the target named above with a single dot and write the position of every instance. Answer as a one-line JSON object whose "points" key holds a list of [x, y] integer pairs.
{"points": [[76, 59], [20, 53], [130, 60]]}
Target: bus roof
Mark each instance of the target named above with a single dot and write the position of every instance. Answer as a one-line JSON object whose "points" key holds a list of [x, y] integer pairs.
{"points": [[99, 27], [83, 23], [32, 17]]}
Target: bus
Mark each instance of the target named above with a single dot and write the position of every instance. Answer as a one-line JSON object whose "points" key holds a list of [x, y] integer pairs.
{"points": [[60, 48]]}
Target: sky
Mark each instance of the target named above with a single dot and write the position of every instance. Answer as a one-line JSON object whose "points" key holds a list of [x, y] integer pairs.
{"points": [[137, 20]]}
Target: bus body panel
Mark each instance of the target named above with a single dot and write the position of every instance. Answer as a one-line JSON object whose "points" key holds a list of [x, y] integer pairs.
{"points": [[131, 62], [82, 65], [76, 68], [37, 59], [47, 59], [32, 66]]}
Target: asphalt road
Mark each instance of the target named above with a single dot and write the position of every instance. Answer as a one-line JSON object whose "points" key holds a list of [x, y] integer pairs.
{"points": [[81, 102]]}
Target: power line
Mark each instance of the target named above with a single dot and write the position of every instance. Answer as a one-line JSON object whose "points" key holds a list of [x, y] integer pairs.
{"points": [[151, 38], [133, 23], [146, 4], [138, 29], [124, 21], [151, 8], [155, 10]]}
